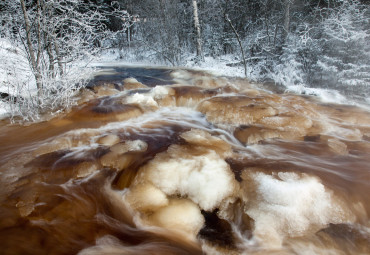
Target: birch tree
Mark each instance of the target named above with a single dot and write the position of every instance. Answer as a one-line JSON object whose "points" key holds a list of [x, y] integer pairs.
{"points": [[197, 28]]}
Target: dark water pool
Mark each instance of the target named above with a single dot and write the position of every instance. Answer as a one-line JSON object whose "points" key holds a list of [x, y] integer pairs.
{"points": [[146, 75]]}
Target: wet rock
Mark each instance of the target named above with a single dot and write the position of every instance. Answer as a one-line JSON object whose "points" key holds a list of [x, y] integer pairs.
{"points": [[109, 140], [217, 231], [146, 197], [337, 146], [235, 110], [136, 145], [116, 160], [132, 83], [181, 215]]}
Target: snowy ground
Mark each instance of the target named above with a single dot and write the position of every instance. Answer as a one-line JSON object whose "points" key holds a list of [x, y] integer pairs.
{"points": [[3, 110], [16, 77], [18, 82], [219, 66]]}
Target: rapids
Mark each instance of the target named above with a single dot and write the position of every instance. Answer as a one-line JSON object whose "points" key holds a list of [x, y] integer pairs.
{"points": [[183, 162]]}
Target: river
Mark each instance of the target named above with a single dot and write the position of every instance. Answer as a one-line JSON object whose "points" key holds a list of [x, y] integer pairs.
{"points": [[184, 162]]}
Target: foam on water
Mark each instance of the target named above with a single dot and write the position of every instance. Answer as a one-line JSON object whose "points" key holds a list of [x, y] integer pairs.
{"points": [[332, 95], [196, 172], [290, 205], [142, 100], [326, 95], [149, 99]]}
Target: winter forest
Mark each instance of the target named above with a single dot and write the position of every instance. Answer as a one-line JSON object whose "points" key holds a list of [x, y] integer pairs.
{"points": [[201, 127], [47, 45]]}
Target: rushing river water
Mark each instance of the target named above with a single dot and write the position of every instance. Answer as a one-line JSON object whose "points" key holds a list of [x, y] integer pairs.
{"points": [[198, 165]]}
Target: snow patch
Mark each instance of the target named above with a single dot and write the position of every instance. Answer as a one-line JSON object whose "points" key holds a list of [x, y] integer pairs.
{"points": [[16, 78], [218, 66]]}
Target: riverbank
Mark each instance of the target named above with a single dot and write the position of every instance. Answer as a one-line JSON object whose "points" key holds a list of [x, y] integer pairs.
{"points": [[222, 67]]}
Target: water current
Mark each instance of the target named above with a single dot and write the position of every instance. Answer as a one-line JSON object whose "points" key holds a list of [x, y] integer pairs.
{"points": [[182, 162]]}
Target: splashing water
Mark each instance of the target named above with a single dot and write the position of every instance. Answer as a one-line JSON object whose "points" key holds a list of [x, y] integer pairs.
{"points": [[205, 165]]}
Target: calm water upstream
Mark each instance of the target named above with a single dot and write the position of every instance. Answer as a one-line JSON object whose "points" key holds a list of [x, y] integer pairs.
{"points": [[196, 165]]}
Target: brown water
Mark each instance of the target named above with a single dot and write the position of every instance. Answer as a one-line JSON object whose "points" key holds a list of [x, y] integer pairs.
{"points": [[205, 166]]}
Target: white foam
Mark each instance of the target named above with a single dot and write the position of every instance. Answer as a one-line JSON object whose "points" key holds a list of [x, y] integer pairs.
{"points": [[148, 99], [289, 205], [326, 95], [159, 92], [205, 179], [181, 74], [142, 99]]}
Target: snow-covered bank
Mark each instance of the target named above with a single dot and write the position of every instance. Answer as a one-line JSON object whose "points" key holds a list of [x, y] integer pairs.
{"points": [[19, 93], [226, 66], [22, 84], [4, 110], [219, 67], [16, 77]]}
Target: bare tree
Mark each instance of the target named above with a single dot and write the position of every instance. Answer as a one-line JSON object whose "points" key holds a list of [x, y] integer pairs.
{"points": [[35, 63], [197, 28], [57, 33], [240, 44], [165, 30]]}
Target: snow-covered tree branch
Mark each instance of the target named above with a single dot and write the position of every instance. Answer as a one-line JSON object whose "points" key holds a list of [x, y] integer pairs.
{"points": [[57, 38]]}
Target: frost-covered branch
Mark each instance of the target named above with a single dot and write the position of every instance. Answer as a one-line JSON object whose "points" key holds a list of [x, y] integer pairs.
{"points": [[57, 36]]}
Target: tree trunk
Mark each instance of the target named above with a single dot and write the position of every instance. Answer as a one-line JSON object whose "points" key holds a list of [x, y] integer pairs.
{"points": [[197, 28], [50, 54], [48, 41], [31, 52], [287, 4], [240, 43], [59, 57]]}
